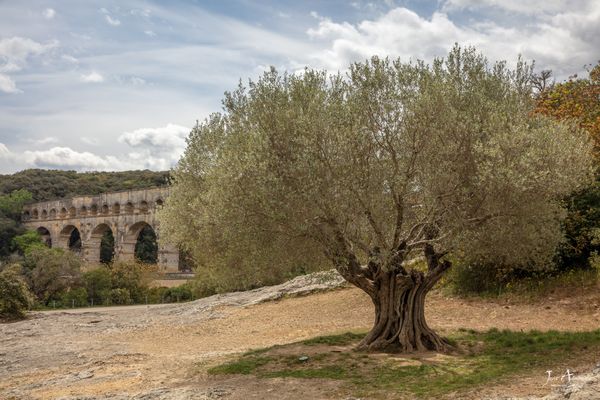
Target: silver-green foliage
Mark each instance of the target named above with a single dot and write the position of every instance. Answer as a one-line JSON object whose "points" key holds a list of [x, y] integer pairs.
{"points": [[302, 168], [15, 297]]}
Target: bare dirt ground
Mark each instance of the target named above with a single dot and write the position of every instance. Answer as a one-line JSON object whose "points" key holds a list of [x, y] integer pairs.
{"points": [[163, 351]]}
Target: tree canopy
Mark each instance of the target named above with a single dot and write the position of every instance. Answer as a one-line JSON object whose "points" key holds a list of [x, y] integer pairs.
{"points": [[577, 100], [370, 169], [53, 184]]}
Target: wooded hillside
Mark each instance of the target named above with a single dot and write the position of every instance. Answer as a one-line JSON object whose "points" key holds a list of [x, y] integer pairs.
{"points": [[51, 184]]}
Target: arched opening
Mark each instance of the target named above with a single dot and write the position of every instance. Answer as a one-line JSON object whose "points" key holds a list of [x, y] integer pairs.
{"points": [[146, 246], [44, 214], [26, 216], [116, 208], [72, 212], [63, 212], [129, 207], [105, 209], [94, 209], [103, 238], [45, 235], [53, 213], [71, 238], [159, 203], [36, 214], [143, 206], [83, 210]]}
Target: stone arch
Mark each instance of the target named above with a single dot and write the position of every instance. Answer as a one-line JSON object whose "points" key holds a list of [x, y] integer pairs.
{"points": [[143, 206], [44, 214], [70, 238], [72, 212], [129, 207], [63, 212], [93, 209], [53, 213], [159, 202], [83, 211], [116, 208], [101, 245], [104, 209], [26, 216], [137, 235], [45, 234], [36, 213]]}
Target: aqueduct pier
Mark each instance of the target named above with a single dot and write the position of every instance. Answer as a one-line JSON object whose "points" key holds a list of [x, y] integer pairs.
{"points": [[80, 223]]}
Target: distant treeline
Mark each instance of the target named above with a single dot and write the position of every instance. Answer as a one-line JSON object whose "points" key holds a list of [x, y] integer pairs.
{"points": [[52, 184]]}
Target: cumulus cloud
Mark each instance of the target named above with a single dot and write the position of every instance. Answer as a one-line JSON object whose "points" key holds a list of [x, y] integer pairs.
{"points": [[49, 13], [5, 153], [156, 148], [65, 157], [112, 21], [14, 54], [403, 33], [92, 77], [151, 148], [517, 6], [7, 85]]}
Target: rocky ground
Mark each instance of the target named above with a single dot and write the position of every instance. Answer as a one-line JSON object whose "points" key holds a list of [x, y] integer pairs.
{"points": [[163, 351]]}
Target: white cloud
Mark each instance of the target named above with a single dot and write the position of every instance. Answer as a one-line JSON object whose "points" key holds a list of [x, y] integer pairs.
{"points": [[164, 139], [112, 21], [14, 53], [49, 13], [5, 153], [516, 6], [150, 33], [65, 157], [7, 85], [69, 58], [141, 12], [403, 33], [156, 148], [46, 140], [92, 77], [90, 141], [137, 81]]}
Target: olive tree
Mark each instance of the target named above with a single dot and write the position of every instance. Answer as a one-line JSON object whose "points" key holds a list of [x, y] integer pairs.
{"points": [[371, 169]]}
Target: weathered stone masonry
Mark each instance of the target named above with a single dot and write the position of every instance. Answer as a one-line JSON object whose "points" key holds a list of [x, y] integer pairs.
{"points": [[125, 213]]}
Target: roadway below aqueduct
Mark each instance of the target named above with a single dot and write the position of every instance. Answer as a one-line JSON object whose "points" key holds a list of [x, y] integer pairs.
{"points": [[80, 223]]}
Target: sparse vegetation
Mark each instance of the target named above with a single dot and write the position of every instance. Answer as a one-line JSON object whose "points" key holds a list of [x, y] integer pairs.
{"points": [[481, 358], [15, 297]]}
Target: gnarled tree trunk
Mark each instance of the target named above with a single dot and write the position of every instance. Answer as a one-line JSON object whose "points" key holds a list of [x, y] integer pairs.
{"points": [[399, 299]]}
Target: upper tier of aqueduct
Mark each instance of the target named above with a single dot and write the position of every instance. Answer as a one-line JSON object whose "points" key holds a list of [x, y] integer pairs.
{"points": [[82, 221]]}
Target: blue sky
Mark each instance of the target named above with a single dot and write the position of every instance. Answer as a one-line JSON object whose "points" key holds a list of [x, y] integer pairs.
{"points": [[116, 85]]}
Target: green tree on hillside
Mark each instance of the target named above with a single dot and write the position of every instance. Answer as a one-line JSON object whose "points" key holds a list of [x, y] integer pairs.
{"points": [[578, 100], [369, 170], [52, 184], [11, 205]]}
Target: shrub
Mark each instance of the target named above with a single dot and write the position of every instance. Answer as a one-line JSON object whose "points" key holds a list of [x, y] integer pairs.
{"points": [[54, 271], [77, 297], [15, 297], [178, 293], [120, 296], [97, 282], [156, 295], [133, 276]]}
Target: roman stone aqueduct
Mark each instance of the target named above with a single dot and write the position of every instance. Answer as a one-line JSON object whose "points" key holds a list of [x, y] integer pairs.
{"points": [[79, 223]]}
